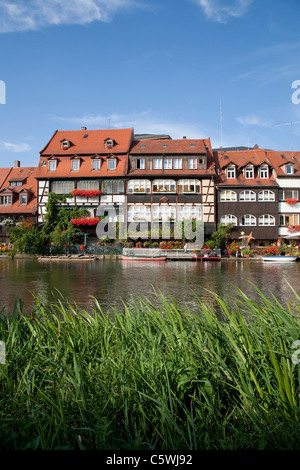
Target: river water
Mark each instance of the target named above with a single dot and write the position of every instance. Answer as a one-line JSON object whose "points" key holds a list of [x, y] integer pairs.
{"points": [[113, 282]]}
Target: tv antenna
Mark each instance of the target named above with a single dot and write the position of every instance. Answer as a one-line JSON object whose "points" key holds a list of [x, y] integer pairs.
{"points": [[221, 122], [292, 132]]}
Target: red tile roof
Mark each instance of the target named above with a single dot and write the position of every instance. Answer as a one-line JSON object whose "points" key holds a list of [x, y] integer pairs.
{"points": [[64, 169], [3, 175], [240, 159], [89, 142], [27, 174], [170, 147], [279, 159]]}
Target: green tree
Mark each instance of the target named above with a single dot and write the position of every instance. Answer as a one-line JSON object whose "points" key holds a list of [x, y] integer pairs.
{"points": [[222, 233], [26, 238]]}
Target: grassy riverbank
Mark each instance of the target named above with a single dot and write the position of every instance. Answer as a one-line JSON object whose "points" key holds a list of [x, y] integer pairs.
{"points": [[151, 379]]}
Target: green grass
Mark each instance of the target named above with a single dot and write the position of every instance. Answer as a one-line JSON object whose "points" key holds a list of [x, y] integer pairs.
{"points": [[151, 377]]}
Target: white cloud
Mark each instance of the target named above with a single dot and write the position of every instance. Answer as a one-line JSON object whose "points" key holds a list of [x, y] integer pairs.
{"points": [[254, 120], [18, 148], [144, 122], [25, 15], [222, 10]]}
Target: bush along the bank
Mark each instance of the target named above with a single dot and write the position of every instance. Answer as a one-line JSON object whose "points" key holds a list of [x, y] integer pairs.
{"points": [[156, 378]]}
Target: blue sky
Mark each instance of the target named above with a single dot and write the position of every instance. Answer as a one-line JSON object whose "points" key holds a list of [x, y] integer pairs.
{"points": [[157, 66]]}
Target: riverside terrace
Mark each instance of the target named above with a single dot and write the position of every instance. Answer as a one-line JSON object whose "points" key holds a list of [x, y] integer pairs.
{"points": [[159, 179]]}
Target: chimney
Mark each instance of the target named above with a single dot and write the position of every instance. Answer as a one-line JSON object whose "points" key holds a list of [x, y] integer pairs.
{"points": [[17, 164], [184, 137], [83, 128]]}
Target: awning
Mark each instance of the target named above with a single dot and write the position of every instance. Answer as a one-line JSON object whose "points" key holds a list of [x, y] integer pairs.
{"points": [[292, 236]]}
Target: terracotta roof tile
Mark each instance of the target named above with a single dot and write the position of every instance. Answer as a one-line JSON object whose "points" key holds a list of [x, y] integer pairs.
{"points": [[170, 147], [16, 174], [89, 142]]}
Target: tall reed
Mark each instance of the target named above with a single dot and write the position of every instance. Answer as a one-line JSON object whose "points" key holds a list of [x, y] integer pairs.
{"points": [[150, 377]]}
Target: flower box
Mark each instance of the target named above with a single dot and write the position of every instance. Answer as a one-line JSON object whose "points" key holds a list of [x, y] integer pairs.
{"points": [[85, 221], [86, 193]]}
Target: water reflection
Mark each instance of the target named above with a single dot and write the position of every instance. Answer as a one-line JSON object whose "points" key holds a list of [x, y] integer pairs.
{"points": [[114, 282]]}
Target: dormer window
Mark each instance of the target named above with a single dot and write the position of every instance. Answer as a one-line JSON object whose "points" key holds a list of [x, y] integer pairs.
{"points": [[264, 172], [96, 164], [65, 144], [75, 164], [249, 172], [23, 199], [231, 172], [112, 164], [289, 169], [109, 143], [52, 165]]}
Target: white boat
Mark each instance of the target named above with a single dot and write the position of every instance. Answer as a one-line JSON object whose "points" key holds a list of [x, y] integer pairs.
{"points": [[279, 259]]}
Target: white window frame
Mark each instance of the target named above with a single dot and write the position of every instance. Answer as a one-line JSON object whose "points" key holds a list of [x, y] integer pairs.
{"points": [[111, 164], [249, 172], [266, 195], [140, 164], [77, 162], [266, 220], [139, 186], [6, 200], [264, 172], [247, 196], [167, 163], [164, 186], [139, 213], [289, 169], [228, 196], [248, 220], [193, 163], [96, 164], [283, 194], [185, 186], [157, 164], [52, 163], [23, 196], [177, 164], [189, 212], [231, 172], [228, 219], [164, 213], [86, 185], [293, 219], [65, 187]]}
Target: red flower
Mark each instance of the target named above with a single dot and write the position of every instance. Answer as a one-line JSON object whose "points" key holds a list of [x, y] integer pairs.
{"points": [[85, 221], [86, 193]]}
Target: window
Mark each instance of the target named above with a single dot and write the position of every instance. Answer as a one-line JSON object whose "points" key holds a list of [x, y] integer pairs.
{"points": [[248, 220], [62, 187], [289, 169], [88, 185], [157, 164], [65, 144], [75, 165], [192, 163], [109, 143], [289, 219], [266, 196], [189, 186], [15, 183], [111, 164], [288, 194], [264, 172], [228, 196], [52, 165], [5, 200], [139, 186], [230, 172], [249, 172], [177, 163], [247, 196], [164, 213], [266, 220], [228, 219], [139, 213], [23, 199], [167, 164], [113, 187], [96, 164], [164, 186], [189, 212], [140, 164]]}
